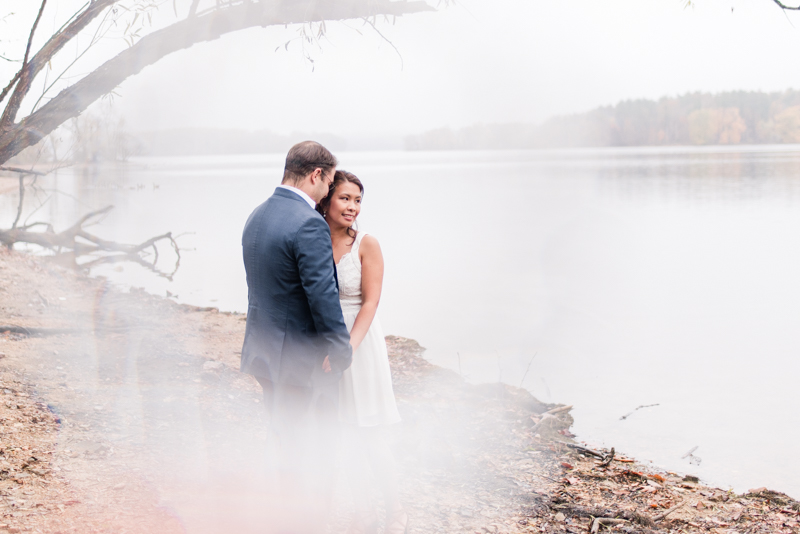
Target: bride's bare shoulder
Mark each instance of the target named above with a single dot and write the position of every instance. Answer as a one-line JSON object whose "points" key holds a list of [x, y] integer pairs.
{"points": [[369, 245]]}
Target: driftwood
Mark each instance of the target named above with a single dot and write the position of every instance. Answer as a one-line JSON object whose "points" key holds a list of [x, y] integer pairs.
{"points": [[34, 331], [606, 521], [662, 515], [599, 512], [70, 244], [606, 458]]}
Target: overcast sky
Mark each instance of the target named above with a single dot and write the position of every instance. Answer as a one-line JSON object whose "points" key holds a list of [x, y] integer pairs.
{"points": [[480, 61]]}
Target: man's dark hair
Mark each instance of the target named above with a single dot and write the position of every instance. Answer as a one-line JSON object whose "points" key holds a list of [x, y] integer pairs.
{"points": [[303, 158]]}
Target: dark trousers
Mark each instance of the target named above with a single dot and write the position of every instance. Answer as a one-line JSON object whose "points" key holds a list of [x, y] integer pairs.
{"points": [[304, 421]]}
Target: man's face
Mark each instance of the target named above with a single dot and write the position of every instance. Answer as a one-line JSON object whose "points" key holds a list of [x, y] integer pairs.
{"points": [[323, 184]]}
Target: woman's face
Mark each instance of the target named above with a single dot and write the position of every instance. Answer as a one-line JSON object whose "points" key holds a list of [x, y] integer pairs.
{"points": [[345, 205]]}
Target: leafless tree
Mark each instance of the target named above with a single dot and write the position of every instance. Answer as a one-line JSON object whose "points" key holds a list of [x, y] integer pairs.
{"points": [[16, 134], [19, 133]]}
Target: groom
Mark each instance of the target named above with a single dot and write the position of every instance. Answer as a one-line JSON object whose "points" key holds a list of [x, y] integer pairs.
{"points": [[296, 343]]}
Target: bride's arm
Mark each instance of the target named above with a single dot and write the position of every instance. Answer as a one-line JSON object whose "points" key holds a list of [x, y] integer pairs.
{"points": [[371, 282]]}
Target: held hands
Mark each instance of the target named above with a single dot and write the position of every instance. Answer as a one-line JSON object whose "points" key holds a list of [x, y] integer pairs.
{"points": [[326, 363]]}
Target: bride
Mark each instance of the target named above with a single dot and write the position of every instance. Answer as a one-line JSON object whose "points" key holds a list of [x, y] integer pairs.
{"points": [[366, 399]]}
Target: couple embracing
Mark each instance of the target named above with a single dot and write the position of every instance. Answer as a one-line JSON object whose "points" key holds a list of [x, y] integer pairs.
{"points": [[315, 346]]}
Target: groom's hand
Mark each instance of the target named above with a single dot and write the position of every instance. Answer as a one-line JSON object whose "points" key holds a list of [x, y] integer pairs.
{"points": [[326, 364]]}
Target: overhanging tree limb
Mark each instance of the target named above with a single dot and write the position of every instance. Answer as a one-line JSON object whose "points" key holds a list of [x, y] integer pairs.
{"points": [[784, 6], [28, 72], [72, 101]]}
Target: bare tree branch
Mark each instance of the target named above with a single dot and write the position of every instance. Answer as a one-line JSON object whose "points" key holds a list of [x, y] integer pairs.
{"points": [[29, 70], [33, 31], [94, 40], [402, 63], [9, 86], [784, 6], [193, 8], [75, 228], [22, 171], [21, 200], [72, 101]]}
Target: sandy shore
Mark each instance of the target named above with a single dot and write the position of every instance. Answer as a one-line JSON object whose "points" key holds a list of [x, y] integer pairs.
{"points": [[125, 412]]}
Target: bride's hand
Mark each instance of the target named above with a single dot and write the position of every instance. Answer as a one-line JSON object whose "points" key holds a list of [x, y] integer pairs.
{"points": [[326, 365]]}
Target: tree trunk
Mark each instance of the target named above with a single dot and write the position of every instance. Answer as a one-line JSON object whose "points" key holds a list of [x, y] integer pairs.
{"points": [[73, 100]]}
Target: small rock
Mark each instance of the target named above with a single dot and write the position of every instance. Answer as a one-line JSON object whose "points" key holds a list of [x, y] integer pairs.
{"points": [[560, 517], [212, 366]]}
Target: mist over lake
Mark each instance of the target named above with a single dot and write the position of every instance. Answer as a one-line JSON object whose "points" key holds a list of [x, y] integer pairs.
{"points": [[603, 278]]}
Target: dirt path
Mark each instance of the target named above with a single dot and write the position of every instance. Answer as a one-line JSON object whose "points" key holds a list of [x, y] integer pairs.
{"points": [[133, 418]]}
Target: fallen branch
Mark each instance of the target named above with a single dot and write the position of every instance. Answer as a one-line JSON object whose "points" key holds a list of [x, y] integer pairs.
{"points": [[41, 331], [606, 458], [605, 521], [635, 410], [662, 515], [690, 453], [586, 450], [609, 458], [22, 171], [594, 512], [78, 242], [558, 409], [35, 331]]}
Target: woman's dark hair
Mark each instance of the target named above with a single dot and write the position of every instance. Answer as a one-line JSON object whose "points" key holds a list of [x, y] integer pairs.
{"points": [[303, 158], [338, 179]]}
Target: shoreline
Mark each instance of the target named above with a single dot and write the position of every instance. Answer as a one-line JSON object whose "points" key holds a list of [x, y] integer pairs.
{"points": [[107, 418]]}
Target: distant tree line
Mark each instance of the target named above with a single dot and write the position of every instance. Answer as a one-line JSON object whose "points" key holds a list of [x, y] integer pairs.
{"points": [[202, 141], [737, 117]]}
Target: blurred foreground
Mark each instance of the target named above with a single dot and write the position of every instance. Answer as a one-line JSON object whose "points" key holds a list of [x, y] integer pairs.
{"points": [[126, 413]]}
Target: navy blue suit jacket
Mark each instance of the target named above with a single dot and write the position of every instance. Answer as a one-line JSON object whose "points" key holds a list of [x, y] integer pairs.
{"points": [[294, 318]]}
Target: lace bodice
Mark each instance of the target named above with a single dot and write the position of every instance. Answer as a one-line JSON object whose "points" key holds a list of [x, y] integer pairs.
{"points": [[348, 271]]}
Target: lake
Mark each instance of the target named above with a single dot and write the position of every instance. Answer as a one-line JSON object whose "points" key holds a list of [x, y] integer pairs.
{"points": [[603, 278]]}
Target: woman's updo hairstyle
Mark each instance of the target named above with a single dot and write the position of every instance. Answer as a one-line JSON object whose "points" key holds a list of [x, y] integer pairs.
{"points": [[338, 179]]}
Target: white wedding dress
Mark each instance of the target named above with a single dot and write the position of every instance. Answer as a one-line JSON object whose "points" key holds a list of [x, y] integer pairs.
{"points": [[366, 397]]}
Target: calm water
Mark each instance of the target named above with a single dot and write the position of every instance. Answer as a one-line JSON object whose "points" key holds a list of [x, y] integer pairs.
{"points": [[621, 277]]}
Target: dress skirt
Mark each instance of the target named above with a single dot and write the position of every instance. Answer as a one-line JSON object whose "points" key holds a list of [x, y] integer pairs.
{"points": [[366, 397]]}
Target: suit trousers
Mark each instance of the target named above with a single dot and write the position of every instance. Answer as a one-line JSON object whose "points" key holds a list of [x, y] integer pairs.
{"points": [[305, 421]]}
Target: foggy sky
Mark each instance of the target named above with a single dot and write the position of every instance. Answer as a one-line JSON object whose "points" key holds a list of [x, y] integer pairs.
{"points": [[478, 61]]}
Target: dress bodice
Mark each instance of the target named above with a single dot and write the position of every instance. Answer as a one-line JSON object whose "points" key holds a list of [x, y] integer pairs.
{"points": [[348, 272]]}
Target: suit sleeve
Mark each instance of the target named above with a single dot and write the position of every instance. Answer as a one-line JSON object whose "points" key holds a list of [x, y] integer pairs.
{"points": [[315, 266]]}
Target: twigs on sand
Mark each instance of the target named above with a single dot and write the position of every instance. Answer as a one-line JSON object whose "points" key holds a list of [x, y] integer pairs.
{"points": [[606, 458], [664, 514], [605, 521]]}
